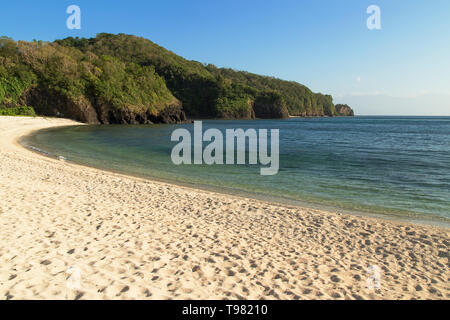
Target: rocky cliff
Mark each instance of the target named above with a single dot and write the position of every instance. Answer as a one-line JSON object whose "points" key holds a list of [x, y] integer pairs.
{"points": [[54, 104], [344, 110]]}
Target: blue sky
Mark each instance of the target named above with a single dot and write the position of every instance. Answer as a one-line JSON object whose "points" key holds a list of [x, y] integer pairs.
{"points": [[323, 44]]}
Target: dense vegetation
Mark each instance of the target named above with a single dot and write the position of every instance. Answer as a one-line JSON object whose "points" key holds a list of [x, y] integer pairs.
{"points": [[127, 79], [62, 80], [299, 100], [17, 111]]}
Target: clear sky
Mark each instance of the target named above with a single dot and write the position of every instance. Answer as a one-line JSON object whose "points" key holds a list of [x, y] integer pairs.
{"points": [[404, 68]]}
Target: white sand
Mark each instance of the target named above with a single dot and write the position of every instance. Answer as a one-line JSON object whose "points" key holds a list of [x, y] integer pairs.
{"points": [[132, 238]]}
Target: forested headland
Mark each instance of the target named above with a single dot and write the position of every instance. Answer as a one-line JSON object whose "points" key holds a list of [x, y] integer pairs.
{"points": [[127, 79]]}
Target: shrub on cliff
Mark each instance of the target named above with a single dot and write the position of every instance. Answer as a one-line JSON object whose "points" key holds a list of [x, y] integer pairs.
{"points": [[17, 111], [270, 104]]}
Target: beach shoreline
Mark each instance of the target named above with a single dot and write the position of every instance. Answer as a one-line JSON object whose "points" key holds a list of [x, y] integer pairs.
{"points": [[134, 238], [436, 221], [284, 202]]}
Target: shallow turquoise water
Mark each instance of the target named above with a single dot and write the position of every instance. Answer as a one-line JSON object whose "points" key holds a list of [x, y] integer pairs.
{"points": [[395, 166]]}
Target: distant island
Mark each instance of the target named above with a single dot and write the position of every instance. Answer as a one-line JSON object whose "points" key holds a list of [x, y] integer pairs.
{"points": [[125, 79]]}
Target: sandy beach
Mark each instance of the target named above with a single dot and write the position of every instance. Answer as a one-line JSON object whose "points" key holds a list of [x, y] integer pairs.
{"points": [[73, 232]]}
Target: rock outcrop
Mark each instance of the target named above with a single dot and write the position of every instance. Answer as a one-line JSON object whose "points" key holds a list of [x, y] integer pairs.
{"points": [[172, 113], [50, 103], [53, 104], [344, 110]]}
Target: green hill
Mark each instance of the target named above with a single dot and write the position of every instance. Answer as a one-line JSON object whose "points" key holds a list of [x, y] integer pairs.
{"points": [[128, 79]]}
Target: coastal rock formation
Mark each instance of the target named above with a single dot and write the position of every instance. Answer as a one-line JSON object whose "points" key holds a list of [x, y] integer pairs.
{"points": [[53, 104], [344, 110], [171, 114], [246, 113]]}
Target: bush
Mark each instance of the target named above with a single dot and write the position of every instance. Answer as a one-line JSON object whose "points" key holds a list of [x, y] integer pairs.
{"points": [[17, 111]]}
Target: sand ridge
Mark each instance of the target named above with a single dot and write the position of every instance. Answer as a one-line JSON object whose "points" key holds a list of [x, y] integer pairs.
{"points": [[73, 232]]}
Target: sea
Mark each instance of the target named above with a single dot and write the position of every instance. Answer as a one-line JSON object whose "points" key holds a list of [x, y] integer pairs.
{"points": [[383, 166]]}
